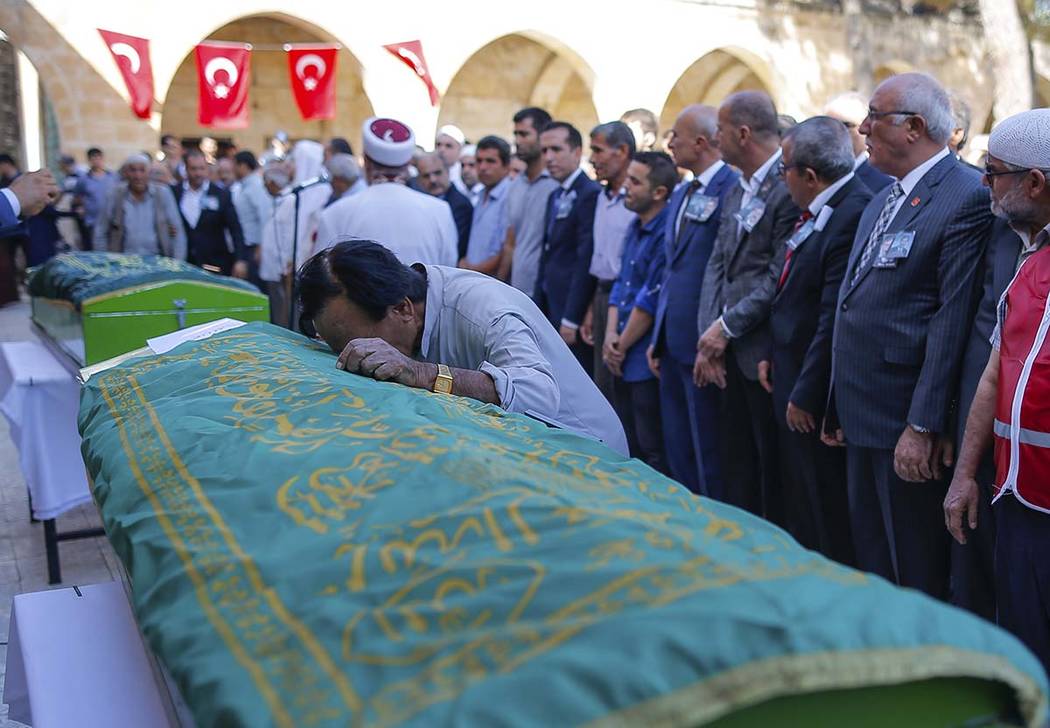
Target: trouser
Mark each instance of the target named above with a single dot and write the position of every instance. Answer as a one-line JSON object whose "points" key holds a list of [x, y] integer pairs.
{"points": [[973, 563], [690, 427], [602, 376], [638, 405], [816, 503], [749, 446], [898, 527], [1022, 574]]}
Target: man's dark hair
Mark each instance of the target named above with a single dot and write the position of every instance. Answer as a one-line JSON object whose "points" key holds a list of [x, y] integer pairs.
{"points": [[575, 140], [662, 169], [247, 159], [94, 151], [538, 117], [8, 159], [339, 145], [500, 145], [165, 138], [616, 135], [755, 110], [193, 154], [365, 272]]}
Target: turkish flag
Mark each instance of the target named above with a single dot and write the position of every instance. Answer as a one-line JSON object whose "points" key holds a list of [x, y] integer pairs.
{"points": [[312, 72], [131, 55], [223, 74], [411, 54]]}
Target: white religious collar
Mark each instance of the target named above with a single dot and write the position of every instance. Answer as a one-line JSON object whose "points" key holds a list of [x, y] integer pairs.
{"points": [[567, 184], [708, 174], [822, 199], [912, 178], [760, 174]]}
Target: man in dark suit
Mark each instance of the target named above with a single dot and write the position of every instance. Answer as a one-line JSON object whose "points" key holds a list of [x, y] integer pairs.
{"points": [[24, 197], [564, 286], [818, 171], [738, 288], [973, 572], [690, 413], [850, 108], [209, 216], [434, 180], [905, 308]]}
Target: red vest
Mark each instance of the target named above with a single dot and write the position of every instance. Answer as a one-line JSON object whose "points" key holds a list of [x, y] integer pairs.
{"points": [[1022, 414]]}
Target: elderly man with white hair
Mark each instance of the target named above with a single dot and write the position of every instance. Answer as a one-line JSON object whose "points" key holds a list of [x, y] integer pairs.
{"points": [[344, 174], [904, 310], [1012, 404], [140, 216]]}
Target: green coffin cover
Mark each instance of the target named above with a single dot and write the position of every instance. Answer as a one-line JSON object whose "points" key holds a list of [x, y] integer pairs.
{"points": [[308, 547], [76, 277]]}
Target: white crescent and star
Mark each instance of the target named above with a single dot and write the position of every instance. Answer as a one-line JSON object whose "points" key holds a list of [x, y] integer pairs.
{"points": [[123, 49], [417, 64], [221, 63], [306, 61]]}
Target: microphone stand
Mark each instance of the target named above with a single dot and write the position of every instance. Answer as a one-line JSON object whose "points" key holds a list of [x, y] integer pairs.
{"points": [[293, 288]]}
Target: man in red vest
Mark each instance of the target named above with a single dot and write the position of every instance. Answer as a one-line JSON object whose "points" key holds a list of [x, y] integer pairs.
{"points": [[1012, 403]]}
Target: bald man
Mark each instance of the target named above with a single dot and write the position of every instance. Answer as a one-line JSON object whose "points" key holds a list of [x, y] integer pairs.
{"points": [[690, 413], [904, 310], [850, 108]]}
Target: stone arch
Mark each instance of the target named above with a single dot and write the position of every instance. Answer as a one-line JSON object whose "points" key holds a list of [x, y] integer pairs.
{"points": [[271, 104], [890, 68], [714, 76], [517, 70]]}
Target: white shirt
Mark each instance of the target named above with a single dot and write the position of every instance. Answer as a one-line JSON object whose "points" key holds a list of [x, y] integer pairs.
{"points": [[473, 321], [190, 204], [913, 177], [752, 185], [278, 232], [12, 198], [822, 199], [418, 228], [705, 179], [860, 159], [567, 182]]}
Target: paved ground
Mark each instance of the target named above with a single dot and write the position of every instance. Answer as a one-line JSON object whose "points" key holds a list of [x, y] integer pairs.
{"points": [[23, 567]]}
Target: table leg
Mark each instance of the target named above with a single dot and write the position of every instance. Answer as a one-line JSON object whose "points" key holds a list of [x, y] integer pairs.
{"points": [[54, 570]]}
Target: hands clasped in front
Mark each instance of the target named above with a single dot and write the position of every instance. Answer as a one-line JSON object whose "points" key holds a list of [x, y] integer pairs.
{"points": [[378, 359]]}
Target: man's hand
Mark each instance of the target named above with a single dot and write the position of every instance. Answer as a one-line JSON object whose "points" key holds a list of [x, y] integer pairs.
{"points": [[713, 343], [34, 190], [961, 499], [611, 354], [709, 371], [798, 420], [765, 375], [587, 327], [834, 439], [377, 359], [943, 456], [653, 361], [913, 455], [240, 270], [568, 334]]}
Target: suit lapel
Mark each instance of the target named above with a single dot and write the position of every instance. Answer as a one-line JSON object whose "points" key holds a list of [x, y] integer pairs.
{"points": [[714, 189]]}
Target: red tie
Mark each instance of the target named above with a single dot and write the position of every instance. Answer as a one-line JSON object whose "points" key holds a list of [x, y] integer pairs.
{"points": [[802, 220]]}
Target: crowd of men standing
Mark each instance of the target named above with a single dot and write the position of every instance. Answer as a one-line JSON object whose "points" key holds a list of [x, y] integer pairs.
{"points": [[791, 318]]}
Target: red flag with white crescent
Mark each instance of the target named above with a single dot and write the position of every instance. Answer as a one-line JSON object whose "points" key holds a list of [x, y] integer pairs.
{"points": [[131, 55], [411, 54], [223, 77], [312, 72]]}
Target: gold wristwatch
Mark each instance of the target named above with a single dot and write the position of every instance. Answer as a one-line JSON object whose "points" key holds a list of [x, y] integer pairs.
{"points": [[443, 380]]}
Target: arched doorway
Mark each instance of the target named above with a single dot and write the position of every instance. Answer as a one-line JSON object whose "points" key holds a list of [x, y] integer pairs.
{"points": [[713, 77], [272, 106], [28, 130], [512, 72]]}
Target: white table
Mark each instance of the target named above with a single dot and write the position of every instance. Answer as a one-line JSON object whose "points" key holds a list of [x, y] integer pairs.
{"points": [[75, 657], [41, 399]]}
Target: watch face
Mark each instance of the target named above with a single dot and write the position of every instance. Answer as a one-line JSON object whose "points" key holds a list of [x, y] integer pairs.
{"points": [[443, 385]]}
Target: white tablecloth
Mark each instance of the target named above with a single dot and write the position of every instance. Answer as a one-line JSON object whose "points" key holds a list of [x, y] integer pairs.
{"points": [[40, 400], [79, 660]]}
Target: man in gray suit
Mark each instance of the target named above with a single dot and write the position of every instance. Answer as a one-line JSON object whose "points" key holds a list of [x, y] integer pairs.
{"points": [[739, 284], [905, 308]]}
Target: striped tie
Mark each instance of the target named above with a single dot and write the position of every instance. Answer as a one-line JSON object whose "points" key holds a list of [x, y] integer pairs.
{"points": [[885, 218]]}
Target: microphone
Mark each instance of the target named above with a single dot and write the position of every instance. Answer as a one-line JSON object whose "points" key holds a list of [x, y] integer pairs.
{"points": [[313, 181]]}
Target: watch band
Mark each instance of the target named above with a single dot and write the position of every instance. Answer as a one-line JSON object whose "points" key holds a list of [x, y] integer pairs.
{"points": [[443, 380]]}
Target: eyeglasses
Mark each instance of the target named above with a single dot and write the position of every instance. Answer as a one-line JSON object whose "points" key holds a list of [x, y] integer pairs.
{"points": [[872, 114], [991, 173]]}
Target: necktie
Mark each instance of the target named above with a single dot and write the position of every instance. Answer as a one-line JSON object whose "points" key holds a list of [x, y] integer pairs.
{"points": [[694, 186], [802, 220], [885, 218]]}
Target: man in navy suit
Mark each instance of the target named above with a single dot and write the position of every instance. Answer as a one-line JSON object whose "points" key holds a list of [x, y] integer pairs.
{"points": [[690, 413], [27, 195], [209, 216], [818, 171], [850, 108], [905, 309], [564, 286]]}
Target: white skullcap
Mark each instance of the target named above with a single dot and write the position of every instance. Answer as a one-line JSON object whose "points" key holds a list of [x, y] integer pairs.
{"points": [[138, 158], [471, 150], [388, 141], [453, 131], [1023, 139]]}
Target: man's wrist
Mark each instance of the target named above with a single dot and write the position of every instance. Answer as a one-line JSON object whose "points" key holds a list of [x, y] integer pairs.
{"points": [[726, 333], [919, 429], [425, 374], [569, 324]]}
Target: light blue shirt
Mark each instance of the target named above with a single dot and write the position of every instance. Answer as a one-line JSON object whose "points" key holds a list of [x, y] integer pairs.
{"points": [[489, 229], [254, 207]]}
